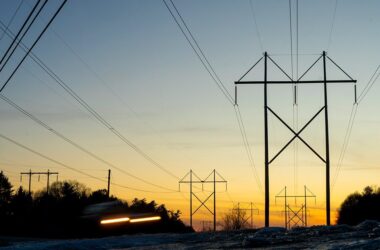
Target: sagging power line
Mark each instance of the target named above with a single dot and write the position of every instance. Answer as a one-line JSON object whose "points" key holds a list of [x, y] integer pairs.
{"points": [[33, 45], [84, 104], [190, 38], [76, 145], [48, 158]]}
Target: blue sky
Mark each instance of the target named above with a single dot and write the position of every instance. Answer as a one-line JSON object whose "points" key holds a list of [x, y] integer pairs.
{"points": [[142, 76]]}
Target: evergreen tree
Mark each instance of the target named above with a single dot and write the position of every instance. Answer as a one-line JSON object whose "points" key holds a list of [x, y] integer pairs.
{"points": [[5, 194]]}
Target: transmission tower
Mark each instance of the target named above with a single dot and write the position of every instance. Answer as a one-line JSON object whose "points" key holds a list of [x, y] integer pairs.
{"points": [[251, 209], [291, 81], [297, 217], [30, 174], [214, 174]]}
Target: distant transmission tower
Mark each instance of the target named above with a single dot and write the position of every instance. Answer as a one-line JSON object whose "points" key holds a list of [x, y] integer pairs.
{"points": [[30, 173], [188, 179], [295, 217], [251, 209], [291, 81]]}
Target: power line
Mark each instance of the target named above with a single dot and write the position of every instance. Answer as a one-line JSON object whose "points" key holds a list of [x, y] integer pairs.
{"points": [[106, 85], [351, 121], [291, 36], [202, 53], [67, 166], [256, 25], [345, 143], [369, 85], [58, 134], [297, 38], [34, 44], [332, 25], [94, 113], [220, 86], [207, 65], [247, 147], [19, 31], [20, 39], [296, 102], [12, 18]]}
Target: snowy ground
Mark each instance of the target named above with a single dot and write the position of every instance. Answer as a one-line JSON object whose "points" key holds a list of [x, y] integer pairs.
{"points": [[364, 236]]}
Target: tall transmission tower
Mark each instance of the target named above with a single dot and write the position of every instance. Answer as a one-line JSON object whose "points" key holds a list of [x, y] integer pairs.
{"points": [[188, 179], [291, 81], [31, 173]]}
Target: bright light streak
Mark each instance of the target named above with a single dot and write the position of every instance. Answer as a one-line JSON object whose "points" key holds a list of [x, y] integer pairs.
{"points": [[145, 219], [116, 220]]}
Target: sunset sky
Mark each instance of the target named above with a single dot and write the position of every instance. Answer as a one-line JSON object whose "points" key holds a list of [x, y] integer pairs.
{"points": [[130, 62]]}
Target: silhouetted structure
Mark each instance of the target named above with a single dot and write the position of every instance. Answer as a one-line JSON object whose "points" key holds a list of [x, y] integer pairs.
{"points": [[295, 216], [291, 81], [31, 173], [60, 213], [198, 180], [252, 208], [358, 207]]}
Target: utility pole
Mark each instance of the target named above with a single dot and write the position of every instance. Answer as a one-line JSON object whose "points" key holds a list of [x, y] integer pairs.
{"points": [[290, 81], [30, 173], [198, 180], [214, 201], [109, 183]]}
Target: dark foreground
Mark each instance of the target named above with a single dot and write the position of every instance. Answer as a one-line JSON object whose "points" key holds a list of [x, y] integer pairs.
{"points": [[364, 236]]}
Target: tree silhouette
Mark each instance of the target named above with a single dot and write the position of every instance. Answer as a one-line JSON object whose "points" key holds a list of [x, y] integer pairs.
{"points": [[235, 219], [5, 194], [21, 203], [60, 213], [100, 195], [358, 207]]}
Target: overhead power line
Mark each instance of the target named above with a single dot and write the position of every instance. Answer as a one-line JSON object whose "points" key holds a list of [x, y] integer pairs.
{"points": [[19, 31], [207, 65], [76, 145], [351, 121], [248, 147], [34, 44], [69, 167], [291, 36], [256, 26], [345, 142], [92, 111], [369, 85], [332, 25], [12, 18], [204, 61], [20, 39]]}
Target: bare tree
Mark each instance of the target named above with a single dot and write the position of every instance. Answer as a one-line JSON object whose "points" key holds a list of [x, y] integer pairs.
{"points": [[235, 219]]}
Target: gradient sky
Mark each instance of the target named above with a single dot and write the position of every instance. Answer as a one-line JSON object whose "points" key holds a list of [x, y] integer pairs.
{"points": [[130, 62]]}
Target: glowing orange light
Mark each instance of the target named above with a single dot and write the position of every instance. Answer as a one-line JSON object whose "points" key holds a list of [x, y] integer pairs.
{"points": [[116, 220], [145, 219]]}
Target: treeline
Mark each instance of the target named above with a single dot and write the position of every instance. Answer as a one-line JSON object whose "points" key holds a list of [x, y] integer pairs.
{"points": [[358, 207], [59, 213]]}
